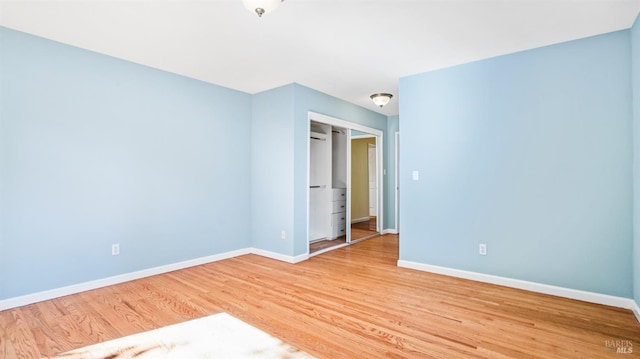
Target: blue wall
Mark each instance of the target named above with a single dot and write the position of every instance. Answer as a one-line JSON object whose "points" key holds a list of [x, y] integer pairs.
{"points": [[393, 126], [272, 170], [95, 150], [635, 69], [529, 153]]}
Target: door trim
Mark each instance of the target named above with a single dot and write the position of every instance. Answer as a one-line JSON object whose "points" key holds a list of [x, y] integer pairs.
{"points": [[396, 188]]}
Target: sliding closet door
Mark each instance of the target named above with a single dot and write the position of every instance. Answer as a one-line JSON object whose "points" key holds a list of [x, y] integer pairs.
{"points": [[330, 181], [319, 181]]}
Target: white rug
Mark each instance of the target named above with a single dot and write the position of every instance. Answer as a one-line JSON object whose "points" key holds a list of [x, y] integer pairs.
{"points": [[216, 336]]}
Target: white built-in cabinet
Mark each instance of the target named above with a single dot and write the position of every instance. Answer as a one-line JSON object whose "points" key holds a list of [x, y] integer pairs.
{"points": [[338, 212], [327, 181]]}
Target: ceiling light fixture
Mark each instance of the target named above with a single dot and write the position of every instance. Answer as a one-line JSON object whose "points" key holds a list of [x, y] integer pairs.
{"points": [[261, 7], [381, 99]]}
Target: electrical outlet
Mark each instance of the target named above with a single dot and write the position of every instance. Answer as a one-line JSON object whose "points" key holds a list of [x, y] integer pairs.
{"points": [[482, 249], [115, 249], [283, 234]]}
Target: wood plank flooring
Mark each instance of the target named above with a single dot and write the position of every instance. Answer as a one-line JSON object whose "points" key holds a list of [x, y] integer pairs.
{"points": [[353, 302]]}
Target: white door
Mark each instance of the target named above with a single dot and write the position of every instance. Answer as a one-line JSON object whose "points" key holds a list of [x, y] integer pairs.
{"points": [[373, 183]]}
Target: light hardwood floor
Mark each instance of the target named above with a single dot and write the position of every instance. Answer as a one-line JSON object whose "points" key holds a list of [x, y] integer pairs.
{"points": [[352, 302]]}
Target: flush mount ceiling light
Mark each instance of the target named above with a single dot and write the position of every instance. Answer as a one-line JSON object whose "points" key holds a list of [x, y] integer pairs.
{"points": [[261, 7], [381, 99]]}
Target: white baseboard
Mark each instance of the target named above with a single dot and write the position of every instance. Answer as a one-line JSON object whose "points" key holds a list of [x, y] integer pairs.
{"points": [[389, 231], [278, 256], [82, 287], [515, 283], [598, 298]]}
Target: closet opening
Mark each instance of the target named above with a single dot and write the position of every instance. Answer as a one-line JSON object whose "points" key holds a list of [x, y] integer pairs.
{"points": [[345, 183]]}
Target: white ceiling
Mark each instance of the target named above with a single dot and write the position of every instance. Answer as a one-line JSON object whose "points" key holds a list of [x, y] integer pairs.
{"points": [[345, 48]]}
